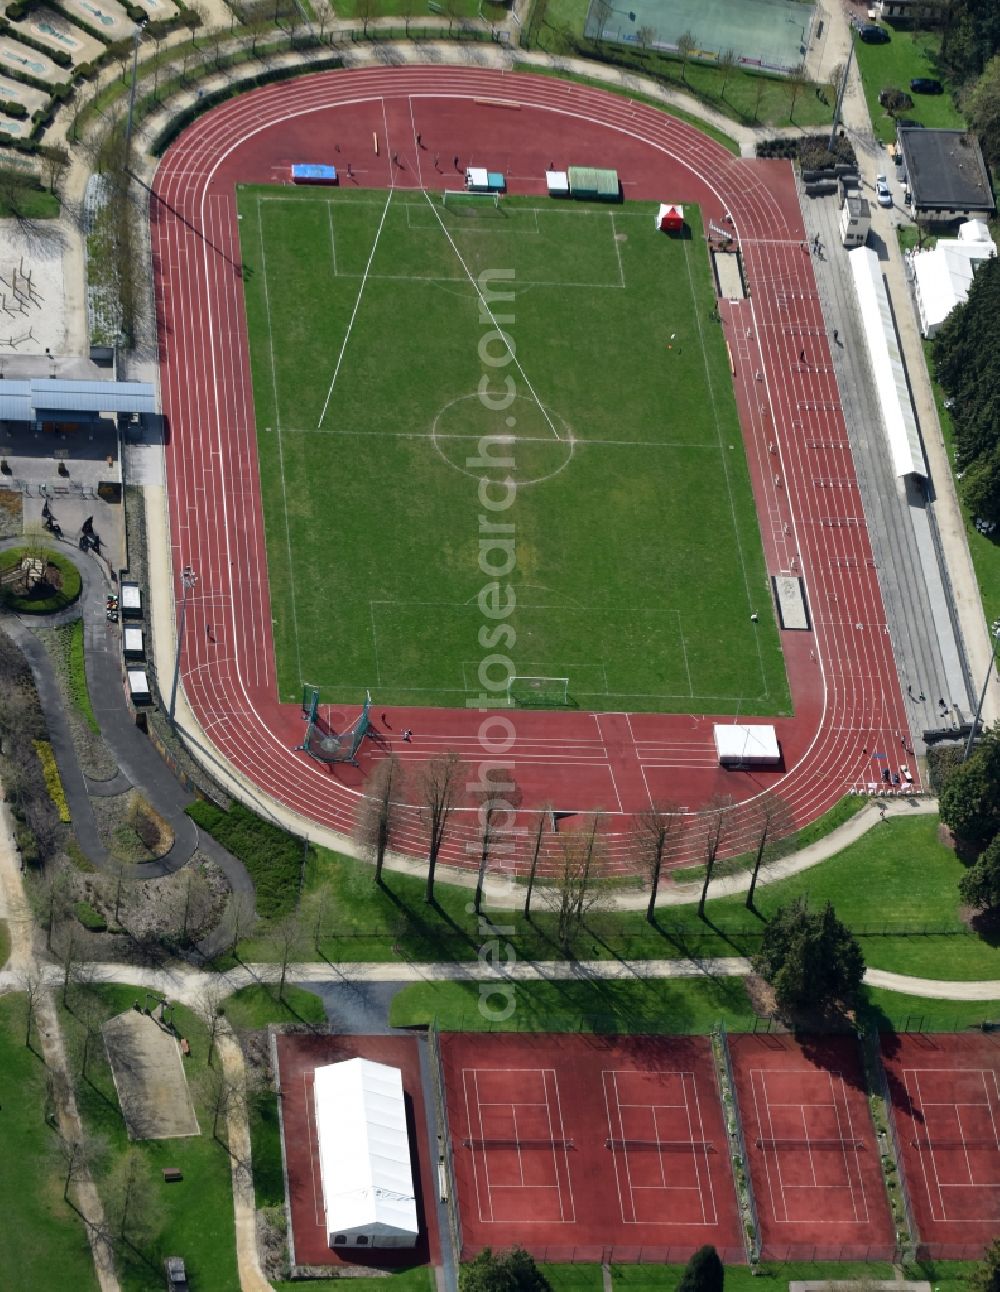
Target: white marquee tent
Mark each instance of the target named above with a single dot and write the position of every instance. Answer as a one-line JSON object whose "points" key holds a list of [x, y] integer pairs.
{"points": [[737, 742], [886, 364], [364, 1155], [942, 275]]}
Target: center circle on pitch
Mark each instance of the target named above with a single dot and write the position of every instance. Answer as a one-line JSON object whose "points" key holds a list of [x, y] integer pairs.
{"points": [[524, 442]]}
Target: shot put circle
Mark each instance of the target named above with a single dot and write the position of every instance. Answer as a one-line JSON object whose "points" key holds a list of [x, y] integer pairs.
{"points": [[525, 451]]}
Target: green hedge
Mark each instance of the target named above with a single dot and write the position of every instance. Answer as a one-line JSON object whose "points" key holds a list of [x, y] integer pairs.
{"points": [[272, 856], [46, 602], [92, 920]]}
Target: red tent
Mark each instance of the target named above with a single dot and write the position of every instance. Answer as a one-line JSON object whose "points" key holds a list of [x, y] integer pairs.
{"points": [[670, 218]]}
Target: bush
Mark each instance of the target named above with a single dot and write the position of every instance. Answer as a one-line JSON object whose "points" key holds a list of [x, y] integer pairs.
{"points": [[136, 12], [11, 109], [91, 920], [16, 11], [895, 101], [272, 855], [53, 781]]}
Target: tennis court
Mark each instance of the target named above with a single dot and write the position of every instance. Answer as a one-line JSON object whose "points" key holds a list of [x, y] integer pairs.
{"points": [[814, 1162], [577, 1146], [946, 1099], [767, 33]]}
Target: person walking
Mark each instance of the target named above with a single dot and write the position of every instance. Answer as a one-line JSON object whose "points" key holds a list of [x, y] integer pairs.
{"points": [[836, 337]]}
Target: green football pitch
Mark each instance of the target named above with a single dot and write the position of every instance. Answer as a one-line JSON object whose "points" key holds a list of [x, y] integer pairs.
{"points": [[613, 435]]}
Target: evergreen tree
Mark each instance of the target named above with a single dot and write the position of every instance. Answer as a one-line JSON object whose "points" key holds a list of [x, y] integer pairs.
{"points": [[704, 1272]]}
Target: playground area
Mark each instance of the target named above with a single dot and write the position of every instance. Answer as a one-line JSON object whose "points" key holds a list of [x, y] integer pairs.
{"points": [[771, 34]]}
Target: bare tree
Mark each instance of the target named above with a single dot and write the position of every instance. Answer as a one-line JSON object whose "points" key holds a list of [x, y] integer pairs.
{"points": [[79, 1158], [378, 810], [365, 10], [439, 785], [797, 81], [240, 919], [657, 832], [120, 871], [686, 45], [497, 803], [759, 88], [713, 823], [286, 938], [408, 9], [32, 984], [56, 161], [89, 1013], [646, 36], [772, 823], [538, 838], [219, 1094], [574, 890], [452, 11], [727, 62], [131, 1210], [600, 12], [208, 1008]]}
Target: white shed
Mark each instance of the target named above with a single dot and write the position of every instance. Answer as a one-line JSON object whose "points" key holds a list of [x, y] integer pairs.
{"points": [[737, 742], [364, 1155]]}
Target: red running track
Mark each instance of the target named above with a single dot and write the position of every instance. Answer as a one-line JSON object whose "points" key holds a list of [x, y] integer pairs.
{"points": [[843, 679]]}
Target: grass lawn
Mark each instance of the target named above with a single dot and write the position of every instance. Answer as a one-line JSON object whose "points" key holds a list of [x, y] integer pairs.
{"points": [[44, 598], [894, 1011], [255, 1007], [71, 644], [44, 1240], [32, 204], [420, 9], [984, 548], [418, 1279], [637, 557], [892, 66], [740, 1278], [896, 887], [197, 1214], [744, 96], [943, 1276], [573, 1278], [684, 1005]]}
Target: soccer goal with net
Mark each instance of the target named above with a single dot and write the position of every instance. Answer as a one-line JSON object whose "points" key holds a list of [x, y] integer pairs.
{"points": [[545, 692], [460, 201], [321, 741]]}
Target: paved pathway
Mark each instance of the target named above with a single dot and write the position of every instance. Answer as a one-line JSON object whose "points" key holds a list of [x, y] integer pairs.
{"points": [[185, 984]]}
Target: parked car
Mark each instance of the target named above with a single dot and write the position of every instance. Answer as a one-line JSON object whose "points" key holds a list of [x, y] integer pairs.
{"points": [[873, 35], [926, 85], [176, 1274], [883, 193]]}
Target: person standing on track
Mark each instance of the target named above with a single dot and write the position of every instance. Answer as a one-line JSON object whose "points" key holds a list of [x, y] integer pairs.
{"points": [[836, 337], [802, 356]]}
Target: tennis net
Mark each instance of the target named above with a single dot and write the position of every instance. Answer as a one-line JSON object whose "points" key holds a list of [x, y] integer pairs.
{"points": [[925, 1142], [812, 1145], [502, 1142], [663, 1145]]}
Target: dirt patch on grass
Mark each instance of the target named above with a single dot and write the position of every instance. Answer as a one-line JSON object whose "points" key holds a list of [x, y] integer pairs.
{"points": [[11, 514], [131, 828]]}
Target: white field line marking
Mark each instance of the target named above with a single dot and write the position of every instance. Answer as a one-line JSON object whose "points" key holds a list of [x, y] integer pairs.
{"points": [[333, 240], [618, 250], [492, 317], [354, 312]]}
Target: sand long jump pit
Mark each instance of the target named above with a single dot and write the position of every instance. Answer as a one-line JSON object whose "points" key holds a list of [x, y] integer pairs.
{"points": [[148, 1071]]}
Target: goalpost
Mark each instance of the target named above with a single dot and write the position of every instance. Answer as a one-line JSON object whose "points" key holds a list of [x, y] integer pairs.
{"points": [[455, 198], [544, 692]]}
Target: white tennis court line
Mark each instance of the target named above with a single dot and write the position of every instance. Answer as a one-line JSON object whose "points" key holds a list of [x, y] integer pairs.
{"points": [[758, 1087], [928, 1161], [556, 1131], [312, 1145], [696, 1134]]}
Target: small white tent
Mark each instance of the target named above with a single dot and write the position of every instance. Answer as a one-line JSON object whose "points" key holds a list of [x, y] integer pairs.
{"points": [[364, 1155]]}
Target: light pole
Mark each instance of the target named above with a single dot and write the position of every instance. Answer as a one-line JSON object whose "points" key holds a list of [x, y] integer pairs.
{"points": [[995, 630], [188, 580]]}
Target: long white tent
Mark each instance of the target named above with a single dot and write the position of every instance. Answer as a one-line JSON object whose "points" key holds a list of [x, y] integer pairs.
{"points": [[740, 742], [886, 364], [364, 1155]]}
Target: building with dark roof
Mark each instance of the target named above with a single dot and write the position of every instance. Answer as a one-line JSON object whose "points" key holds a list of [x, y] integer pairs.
{"points": [[946, 175]]}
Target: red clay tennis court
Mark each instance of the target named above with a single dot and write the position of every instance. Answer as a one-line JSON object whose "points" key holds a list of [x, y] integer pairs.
{"points": [[946, 1101], [589, 1148], [814, 1162], [297, 1059]]}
